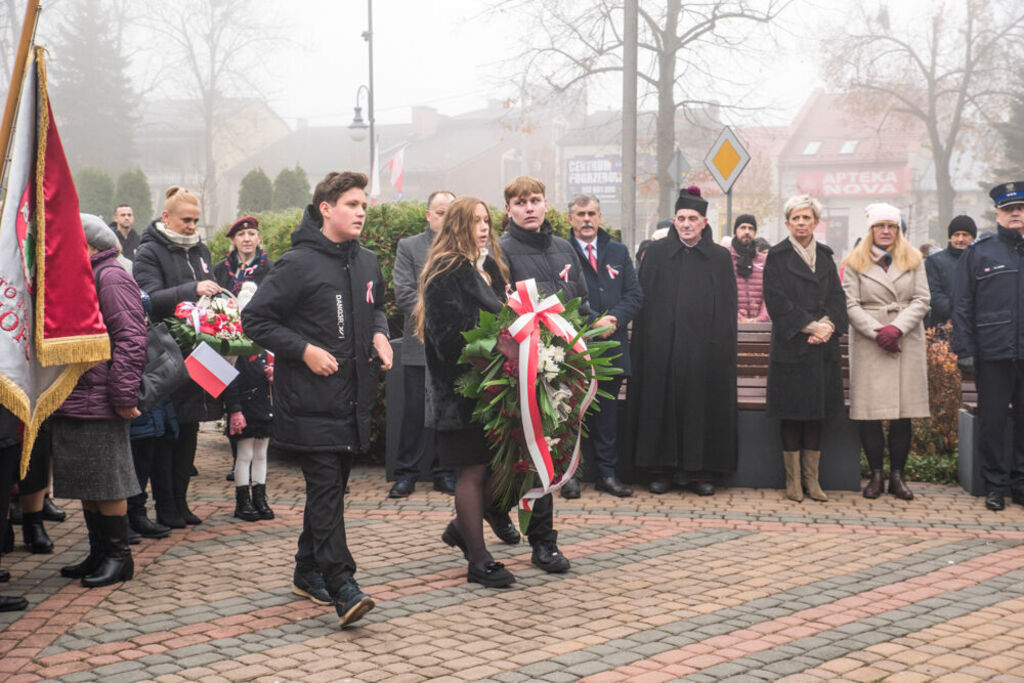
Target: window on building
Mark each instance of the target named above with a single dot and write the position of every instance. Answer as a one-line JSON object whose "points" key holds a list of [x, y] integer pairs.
{"points": [[812, 147], [849, 147]]}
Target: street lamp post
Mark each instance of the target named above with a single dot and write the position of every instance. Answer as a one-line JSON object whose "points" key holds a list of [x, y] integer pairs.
{"points": [[358, 125]]}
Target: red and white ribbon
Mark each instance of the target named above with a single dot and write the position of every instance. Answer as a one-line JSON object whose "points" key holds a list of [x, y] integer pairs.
{"points": [[533, 313], [369, 292], [612, 272], [564, 275], [196, 314]]}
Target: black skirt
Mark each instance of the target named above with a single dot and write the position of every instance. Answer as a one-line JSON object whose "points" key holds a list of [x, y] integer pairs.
{"points": [[463, 447]]}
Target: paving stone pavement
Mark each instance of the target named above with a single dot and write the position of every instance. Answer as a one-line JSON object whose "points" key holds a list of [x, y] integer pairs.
{"points": [[744, 585]]}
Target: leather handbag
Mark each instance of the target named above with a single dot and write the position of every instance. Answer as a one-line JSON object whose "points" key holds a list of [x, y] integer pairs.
{"points": [[165, 368]]}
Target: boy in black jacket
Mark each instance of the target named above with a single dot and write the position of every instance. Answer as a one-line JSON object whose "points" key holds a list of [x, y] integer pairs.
{"points": [[320, 310]]}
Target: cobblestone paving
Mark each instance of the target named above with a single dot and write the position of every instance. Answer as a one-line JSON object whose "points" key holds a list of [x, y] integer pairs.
{"points": [[744, 585]]}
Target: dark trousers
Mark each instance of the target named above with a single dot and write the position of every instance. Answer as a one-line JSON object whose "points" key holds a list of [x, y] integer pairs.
{"points": [[322, 543], [1001, 387], [183, 451], [603, 429], [147, 455], [415, 441], [542, 521], [10, 460]]}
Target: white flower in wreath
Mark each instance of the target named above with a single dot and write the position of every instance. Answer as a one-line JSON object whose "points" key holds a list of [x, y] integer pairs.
{"points": [[550, 360], [560, 398]]}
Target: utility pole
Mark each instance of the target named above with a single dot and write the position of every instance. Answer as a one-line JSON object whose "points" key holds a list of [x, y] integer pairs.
{"points": [[629, 74]]}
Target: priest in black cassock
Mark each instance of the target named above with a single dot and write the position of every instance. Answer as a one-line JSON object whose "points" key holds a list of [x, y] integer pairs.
{"points": [[682, 396]]}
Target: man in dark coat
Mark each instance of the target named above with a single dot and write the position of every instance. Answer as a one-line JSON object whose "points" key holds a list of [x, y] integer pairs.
{"points": [[941, 267], [321, 312], [614, 291], [124, 219], [531, 251], [682, 396], [416, 440], [988, 339]]}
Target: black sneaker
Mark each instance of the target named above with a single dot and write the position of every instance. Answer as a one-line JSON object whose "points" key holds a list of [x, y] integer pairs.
{"points": [[351, 603], [548, 557], [310, 584]]}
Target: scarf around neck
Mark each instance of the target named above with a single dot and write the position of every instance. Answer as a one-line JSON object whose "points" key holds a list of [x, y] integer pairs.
{"points": [[745, 263], [808, 254], [186, 242], [881, 257]]}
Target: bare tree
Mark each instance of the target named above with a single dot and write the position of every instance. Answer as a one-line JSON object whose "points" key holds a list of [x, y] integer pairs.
{"points": [[683, 49], [212, 48], [950, 71]]}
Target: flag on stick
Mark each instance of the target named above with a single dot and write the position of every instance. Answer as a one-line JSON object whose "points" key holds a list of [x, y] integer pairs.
{"points": [[51, 329], [210, 370]]}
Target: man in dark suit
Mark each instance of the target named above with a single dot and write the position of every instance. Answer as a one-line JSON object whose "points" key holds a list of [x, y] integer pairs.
{"points": [[415, 440], [614, 293]]}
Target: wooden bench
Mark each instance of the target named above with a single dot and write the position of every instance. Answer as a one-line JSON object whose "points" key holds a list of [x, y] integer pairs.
{"points": [[759, 462]]}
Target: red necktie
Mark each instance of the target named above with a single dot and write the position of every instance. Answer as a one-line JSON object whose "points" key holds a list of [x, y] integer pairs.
{"points": [[592, 256]]}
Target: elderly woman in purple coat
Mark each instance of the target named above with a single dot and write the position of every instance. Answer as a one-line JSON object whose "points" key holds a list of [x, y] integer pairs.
{"points": [[92, 458]]}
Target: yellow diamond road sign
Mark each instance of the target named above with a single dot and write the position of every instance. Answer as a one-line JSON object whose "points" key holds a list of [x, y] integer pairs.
{"points": [[726, 159]]}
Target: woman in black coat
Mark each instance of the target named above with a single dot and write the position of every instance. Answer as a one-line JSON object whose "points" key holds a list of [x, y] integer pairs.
{"points": [[459, 280], [173, 265], [807, 305]]}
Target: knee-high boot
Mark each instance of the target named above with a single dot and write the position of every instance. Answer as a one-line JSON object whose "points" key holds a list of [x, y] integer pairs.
{"points": [[162, 478], [117, 564], [794, 491], [809, 466], [92, 561]]}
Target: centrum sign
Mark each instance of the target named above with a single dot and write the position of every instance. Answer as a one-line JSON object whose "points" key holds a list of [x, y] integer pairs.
{"points": [[600, 176]]}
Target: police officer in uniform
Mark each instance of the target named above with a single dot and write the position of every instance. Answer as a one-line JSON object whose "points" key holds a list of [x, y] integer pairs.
{"points": [[988, 338]]}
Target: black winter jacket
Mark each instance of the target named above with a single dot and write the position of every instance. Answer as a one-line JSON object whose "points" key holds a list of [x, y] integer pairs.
{"points": [[941, 268], [548, 259], [249, 393], [988, 298], [168, 274], [299, 303], [452, 304]]}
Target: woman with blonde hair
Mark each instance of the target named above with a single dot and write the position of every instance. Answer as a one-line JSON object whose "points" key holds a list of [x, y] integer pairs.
{"points": [[887, 299], [173, 265], [806, 304], [460, 279]]}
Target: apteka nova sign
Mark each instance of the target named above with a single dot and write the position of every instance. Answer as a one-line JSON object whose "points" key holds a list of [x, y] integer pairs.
{"points": [[892, 181]]}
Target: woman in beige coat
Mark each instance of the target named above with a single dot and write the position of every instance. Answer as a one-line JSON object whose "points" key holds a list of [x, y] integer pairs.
{"points": [[886, 299]]}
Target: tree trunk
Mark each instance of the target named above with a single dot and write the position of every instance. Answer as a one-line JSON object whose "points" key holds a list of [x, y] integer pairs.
{"points": [[666, 121]]}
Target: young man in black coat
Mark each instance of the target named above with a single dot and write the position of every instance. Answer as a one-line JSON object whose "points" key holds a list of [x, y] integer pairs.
{"points": [[613, 287], [320, 310], [531, 251], [941, 267]]}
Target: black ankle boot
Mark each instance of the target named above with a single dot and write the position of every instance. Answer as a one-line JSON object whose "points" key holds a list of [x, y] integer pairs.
{"points": [[92, 561], [117, 564], [259, 501], [34, 533], [244, 509], [52, 513]]}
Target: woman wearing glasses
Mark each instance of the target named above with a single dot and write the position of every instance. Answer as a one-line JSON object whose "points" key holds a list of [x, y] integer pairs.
{"points": [[886, 299]]}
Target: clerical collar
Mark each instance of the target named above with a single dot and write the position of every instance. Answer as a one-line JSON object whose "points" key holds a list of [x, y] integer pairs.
{"points": [[691, 246]]}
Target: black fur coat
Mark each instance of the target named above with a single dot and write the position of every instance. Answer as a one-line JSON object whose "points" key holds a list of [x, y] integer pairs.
{"points": [[451, 305]]}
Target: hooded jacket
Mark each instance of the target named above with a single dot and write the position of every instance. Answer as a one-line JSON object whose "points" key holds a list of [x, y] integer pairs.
{"points": [[301, 302], [113, 383], [169, 274], [750, 290]]}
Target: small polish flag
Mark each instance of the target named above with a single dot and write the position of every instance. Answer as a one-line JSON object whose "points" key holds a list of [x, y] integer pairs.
{"points": [[209, 369], [396, 169], [564, 275]]}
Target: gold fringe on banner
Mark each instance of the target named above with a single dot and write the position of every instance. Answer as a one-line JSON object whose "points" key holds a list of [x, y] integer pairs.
{"points": [[58, 351]]}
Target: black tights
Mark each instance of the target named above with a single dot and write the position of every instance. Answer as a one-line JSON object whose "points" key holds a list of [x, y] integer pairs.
{"points": [[801, 434], [471, 492], [873, 440]]}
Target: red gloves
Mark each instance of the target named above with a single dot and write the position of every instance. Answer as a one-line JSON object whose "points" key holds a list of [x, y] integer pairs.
{"points": [[888, 337]]}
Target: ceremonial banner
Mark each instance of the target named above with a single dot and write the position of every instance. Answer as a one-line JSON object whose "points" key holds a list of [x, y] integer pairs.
{"points": [[51, 330]]}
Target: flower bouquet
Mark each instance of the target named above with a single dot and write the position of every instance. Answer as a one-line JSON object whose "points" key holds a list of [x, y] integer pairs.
{"points": [[534, 372], [215, 320]]}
